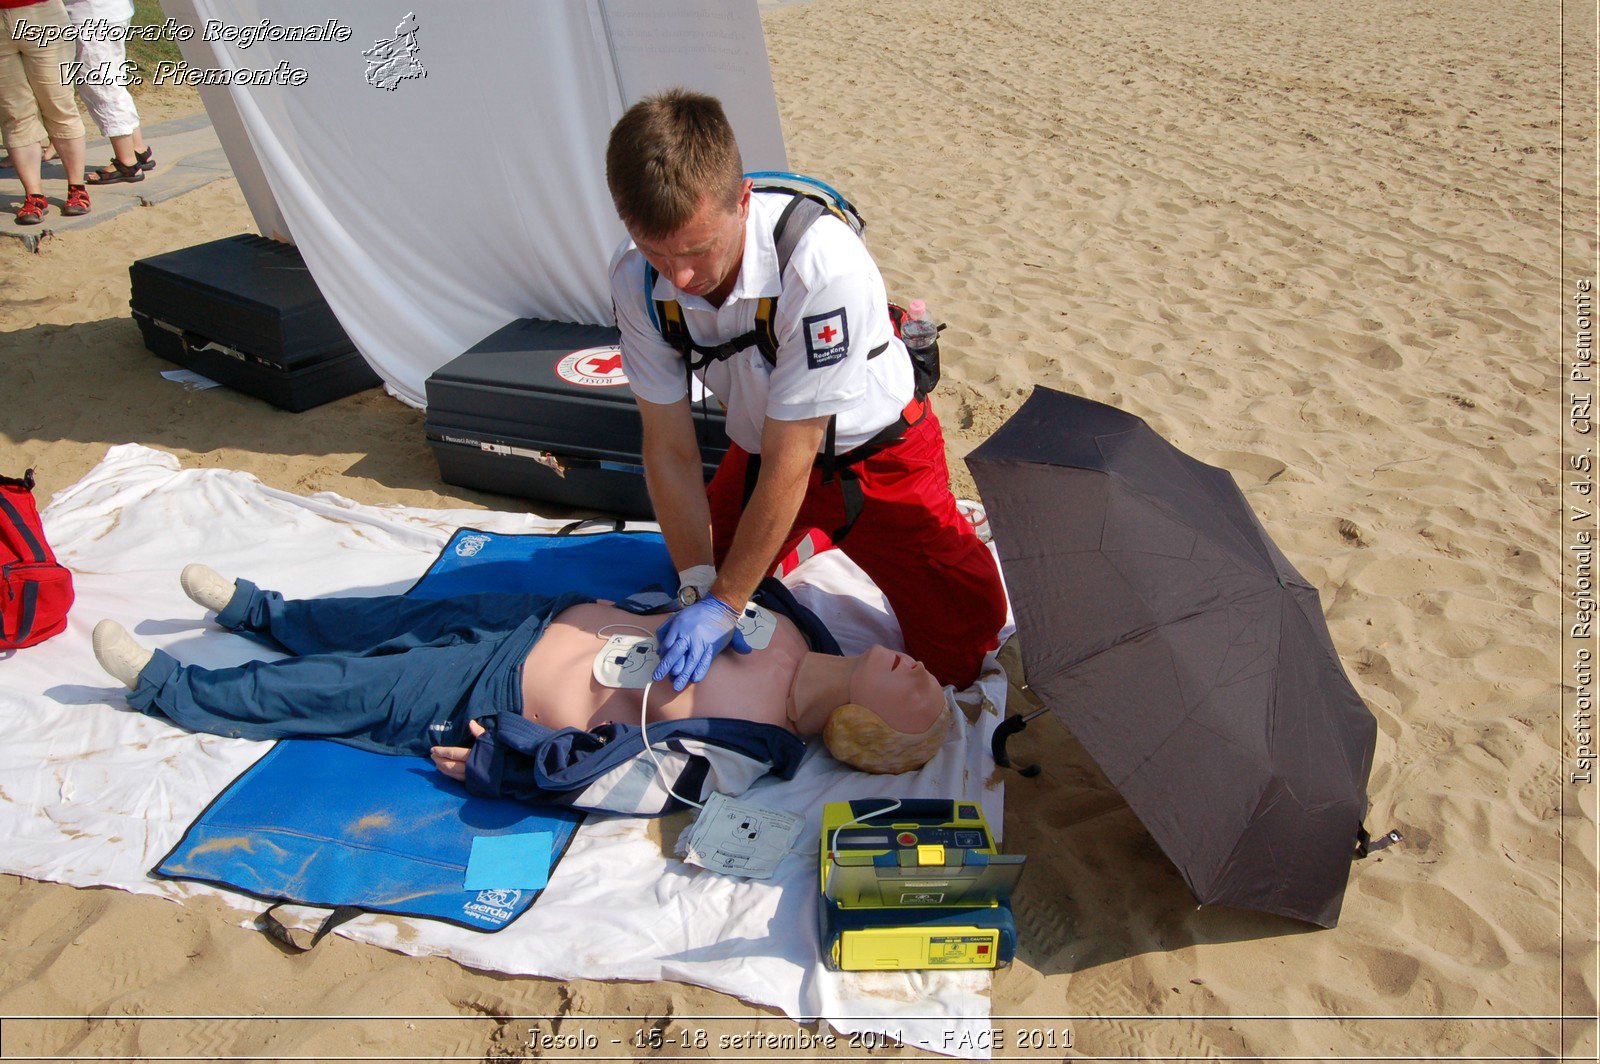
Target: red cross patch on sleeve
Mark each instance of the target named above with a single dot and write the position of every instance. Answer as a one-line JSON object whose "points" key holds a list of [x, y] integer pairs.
{"points": [[827, 338]]}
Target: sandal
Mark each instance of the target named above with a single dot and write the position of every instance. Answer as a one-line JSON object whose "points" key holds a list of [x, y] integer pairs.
{"points": [[77, 201], [116, 173], [33, 210], [146, 159]]}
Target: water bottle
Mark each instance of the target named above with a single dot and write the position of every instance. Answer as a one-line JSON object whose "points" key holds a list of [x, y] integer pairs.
{"points": [[921, 336]]}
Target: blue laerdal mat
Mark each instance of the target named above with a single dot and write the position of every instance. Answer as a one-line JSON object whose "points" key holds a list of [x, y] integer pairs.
{"points": [[320, 823]]}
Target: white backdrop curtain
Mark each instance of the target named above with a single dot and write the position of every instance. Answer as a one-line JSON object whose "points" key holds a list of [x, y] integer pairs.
{"points": [[435, 212]]}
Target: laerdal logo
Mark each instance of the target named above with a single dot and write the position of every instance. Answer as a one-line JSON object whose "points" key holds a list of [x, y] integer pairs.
{"points": [[395, 60], [471, 545], [493, 906]]}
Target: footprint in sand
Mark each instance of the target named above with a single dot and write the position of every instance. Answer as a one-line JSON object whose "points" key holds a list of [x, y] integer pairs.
{"points": [[1381, 356], [1250, 469]]}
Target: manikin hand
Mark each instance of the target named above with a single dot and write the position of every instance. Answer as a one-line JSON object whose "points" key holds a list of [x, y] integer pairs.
{"points": [[452, 760], [692, 637]]}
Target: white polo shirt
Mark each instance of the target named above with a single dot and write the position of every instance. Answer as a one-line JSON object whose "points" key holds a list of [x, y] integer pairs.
{"points": [[831, 313]]}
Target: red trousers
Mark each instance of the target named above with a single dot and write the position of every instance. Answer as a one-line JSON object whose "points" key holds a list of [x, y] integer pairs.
{"points": [[939, 578]]}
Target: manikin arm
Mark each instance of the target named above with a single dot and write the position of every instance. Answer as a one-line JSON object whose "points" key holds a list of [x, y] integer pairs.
{"points": [[452, 760]]}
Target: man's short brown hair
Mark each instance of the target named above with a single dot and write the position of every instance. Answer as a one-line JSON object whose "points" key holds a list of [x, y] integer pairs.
{"points": [[666, 154]]}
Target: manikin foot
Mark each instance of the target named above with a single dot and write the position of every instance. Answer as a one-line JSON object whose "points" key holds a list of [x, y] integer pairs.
{"points": [[119, 654], [206, 586]]}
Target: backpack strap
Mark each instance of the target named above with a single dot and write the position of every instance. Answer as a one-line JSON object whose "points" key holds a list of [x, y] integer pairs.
{"points": [[803, 211], [667, 316]]}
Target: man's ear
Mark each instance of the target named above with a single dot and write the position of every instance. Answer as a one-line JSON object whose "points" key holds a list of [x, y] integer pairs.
{"points": [[745, 187]]}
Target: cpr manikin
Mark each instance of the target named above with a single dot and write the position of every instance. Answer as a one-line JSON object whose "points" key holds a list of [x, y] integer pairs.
{"points": [[594, 661], [406, 676]]}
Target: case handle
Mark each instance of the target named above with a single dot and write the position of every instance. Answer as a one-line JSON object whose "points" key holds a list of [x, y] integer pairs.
{"points": [[616, 524]]}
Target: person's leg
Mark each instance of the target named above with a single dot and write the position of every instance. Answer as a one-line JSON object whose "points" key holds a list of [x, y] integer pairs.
{"points": [[19, 114], [71, 152], [111, 107], [392, 622], [916, 546], [394, 703], [125, 147], [46, 67], [28, 159]]}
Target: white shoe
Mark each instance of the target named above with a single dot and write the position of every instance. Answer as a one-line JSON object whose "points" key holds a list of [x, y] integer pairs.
{"points": [[119, 653], [206, 586], [976, 516]]}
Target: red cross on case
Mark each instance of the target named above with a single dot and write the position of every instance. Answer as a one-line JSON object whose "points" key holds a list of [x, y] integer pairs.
{"points": [[602, 366]]}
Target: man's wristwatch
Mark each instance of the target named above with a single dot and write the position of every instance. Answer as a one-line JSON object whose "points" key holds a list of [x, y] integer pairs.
{"points": [[688, 595]]}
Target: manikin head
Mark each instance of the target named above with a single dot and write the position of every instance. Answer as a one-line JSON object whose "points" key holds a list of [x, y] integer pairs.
{"points": [[896, 717], [678, 184]]}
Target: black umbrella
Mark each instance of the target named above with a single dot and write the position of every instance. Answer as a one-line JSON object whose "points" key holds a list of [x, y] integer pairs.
{"points": [[1183, 651]]}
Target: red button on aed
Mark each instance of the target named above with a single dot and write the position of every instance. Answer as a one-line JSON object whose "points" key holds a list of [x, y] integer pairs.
{"points": [[982, 950], [906, 838]]}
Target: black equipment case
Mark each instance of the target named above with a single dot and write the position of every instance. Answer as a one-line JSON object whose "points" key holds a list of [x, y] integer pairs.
{"points": [[542, 410], [244, 311]]}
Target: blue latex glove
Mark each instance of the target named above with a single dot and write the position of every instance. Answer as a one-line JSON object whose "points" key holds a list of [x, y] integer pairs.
{"points": [[692, 637]]}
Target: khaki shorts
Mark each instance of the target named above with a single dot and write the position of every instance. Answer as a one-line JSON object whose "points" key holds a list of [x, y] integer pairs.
{"points": [[35, 96]]}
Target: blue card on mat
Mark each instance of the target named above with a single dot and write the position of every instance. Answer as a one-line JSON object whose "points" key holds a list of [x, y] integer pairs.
{"points": [[509, 862]]}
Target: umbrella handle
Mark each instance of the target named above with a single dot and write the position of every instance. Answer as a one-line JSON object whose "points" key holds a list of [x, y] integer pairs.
{"points": [[1366, 844], [1004, 731]]}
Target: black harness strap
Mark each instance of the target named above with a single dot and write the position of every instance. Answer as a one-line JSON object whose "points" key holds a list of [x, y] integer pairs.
{"points": [[855, 501], [13, 517], [752, 472], [841, 467], [793, 223], [30, 607], [295, 940]]}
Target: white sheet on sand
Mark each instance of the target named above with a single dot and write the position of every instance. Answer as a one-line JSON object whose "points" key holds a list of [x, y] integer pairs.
{"points": [[94, 794]]}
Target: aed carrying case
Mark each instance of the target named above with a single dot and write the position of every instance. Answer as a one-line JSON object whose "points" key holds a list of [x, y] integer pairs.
{"points": [[542, 410], [245, 312], [914, 883]]}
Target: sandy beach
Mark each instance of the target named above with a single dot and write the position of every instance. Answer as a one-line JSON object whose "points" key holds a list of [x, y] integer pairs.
{"points": [[1321, 249]]}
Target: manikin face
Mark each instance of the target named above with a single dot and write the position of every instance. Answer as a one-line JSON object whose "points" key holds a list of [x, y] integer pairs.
{"points": [[896, 719], [703, 257], [899, 689]]}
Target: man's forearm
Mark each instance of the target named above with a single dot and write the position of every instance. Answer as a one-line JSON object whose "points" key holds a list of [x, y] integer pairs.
{"points": [[678, 494]]}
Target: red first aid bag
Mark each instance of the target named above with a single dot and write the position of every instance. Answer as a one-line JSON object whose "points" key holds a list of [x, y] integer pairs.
{"points": [[35, 592]]}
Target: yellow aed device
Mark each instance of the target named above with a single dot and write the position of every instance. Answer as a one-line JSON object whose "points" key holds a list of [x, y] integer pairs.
{"points": [[914, 883]]}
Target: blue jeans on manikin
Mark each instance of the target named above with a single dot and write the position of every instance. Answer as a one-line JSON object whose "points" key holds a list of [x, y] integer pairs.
{"points": [[395, 674]]}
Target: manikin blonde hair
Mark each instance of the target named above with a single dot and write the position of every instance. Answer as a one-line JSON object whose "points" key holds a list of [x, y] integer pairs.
{"points": [[859, 737]]}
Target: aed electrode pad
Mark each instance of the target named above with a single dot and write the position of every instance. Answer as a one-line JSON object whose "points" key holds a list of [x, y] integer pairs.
{"points": [[757, 624], [626, 661]]}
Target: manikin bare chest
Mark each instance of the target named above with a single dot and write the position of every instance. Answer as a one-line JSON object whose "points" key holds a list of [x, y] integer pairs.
{"points": [[559, 689]]}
